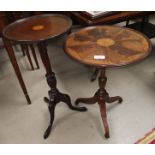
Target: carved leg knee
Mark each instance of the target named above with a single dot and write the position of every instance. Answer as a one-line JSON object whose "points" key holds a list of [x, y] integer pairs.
{"points": [[113, 99], [91, 100], [66, 99]]}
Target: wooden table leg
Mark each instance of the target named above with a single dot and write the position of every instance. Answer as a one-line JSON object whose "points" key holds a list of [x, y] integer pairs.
{"points": [[23, 49], [12, 57], [28, 56], [34, 55], [95, 74], [101, 97], [55, 96]]}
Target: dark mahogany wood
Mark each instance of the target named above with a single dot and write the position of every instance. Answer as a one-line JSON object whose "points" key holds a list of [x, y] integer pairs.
{"points": [[40, 29], [12, 57], [55, 96], [115, 46], [28, 56]]}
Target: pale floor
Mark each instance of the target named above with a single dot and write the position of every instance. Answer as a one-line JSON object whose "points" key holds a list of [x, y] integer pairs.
{"points": [[128, 122]]}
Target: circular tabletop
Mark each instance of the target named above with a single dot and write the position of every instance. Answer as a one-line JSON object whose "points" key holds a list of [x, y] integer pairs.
{"points": [[38, 28], [107, 46]]}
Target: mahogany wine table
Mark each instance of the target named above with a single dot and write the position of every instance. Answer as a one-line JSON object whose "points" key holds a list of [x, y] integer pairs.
{"points": [[39, 30], [102, 47]]}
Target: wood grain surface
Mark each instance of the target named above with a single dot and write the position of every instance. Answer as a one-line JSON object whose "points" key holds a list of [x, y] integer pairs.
{"points": [[107, 46]]}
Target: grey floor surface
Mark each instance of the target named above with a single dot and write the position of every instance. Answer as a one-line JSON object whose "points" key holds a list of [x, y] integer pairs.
{"points": [[22, 123]]}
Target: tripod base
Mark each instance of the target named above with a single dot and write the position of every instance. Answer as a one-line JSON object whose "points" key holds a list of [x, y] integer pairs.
{"points": [[54, 98], [101, 97]]}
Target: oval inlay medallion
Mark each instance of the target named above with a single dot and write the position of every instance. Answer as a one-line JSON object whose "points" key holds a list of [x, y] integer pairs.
{"points": [[105, 42], [37, 27]]}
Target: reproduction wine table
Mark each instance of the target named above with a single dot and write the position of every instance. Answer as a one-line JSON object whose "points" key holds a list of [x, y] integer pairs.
{"points": [[40, 30], [102, 47]]}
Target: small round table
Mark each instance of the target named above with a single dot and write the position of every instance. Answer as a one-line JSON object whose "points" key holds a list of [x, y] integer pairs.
{"points": [[41, 29], [102, 47]]}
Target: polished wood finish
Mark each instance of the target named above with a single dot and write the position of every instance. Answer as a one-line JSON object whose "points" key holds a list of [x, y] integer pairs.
{"points": [[145, 27], [40, 29], [106, 46], [119, 46]]}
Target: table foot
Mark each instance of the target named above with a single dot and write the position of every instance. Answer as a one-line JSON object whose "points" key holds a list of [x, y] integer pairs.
{"points": [[91, 100], [51, 109], [113, 99], [28, 99], [52, 102], [46, 100]]}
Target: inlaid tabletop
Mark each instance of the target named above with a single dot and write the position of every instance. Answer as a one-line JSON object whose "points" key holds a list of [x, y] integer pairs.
{"points": [[107, 46], [38, 28]]}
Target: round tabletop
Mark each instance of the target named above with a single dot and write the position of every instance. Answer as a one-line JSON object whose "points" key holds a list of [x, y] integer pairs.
{"points": [[106, 46], [38, 28]]}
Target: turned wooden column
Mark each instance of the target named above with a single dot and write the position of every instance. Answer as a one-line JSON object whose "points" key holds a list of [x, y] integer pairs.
{"points": [[55, 96]]}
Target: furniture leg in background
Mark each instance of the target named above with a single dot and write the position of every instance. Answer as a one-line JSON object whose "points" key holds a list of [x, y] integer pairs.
{"points": [[34, 55], [25, 49]]}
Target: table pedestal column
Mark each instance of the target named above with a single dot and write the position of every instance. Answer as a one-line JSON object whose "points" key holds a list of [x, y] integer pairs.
{"points": [[101, 97], [55, 96]]}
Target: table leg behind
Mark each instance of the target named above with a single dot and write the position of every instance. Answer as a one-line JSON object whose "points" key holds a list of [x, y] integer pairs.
{"points": [[34, 55], [28, 56], [23, 49]]}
